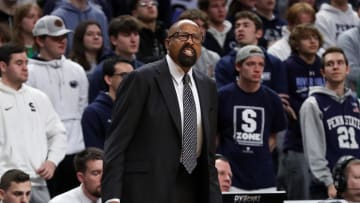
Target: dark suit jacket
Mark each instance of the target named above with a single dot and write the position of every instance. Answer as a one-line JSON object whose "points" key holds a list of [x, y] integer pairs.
{"points": [[142, 151]]}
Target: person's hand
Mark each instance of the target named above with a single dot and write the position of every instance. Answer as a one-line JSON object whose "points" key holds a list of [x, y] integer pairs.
{"points": [[332, 191], [272, 142], [46, 170], [290, 111]]}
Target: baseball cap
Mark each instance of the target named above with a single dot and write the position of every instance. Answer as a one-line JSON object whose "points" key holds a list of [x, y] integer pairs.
{"points": [[247, 51], [50, 25]]}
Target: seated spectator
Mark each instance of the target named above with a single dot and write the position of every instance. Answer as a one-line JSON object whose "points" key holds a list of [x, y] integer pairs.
{"points": [[89, 168], [15, 187], [88, 45], [25, 18], [208, 59], [96, 118], [346, 178], [223, 168]]}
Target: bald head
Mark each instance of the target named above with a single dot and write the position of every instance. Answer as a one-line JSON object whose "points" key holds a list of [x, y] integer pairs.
{"points": [[177, 26], [184, 43]]}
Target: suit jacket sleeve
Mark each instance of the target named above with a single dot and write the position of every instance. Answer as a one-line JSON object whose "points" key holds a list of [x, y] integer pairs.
{"points": [[127, 110]]}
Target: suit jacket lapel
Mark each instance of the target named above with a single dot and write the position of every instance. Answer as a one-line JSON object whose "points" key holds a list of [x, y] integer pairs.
{"points": [[167, 89]]}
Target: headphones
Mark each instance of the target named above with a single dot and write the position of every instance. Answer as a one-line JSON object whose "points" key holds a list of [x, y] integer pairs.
{"points": [[340, 181]]}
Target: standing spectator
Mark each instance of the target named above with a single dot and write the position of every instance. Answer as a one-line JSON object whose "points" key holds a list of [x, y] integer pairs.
{"points": [[220, 36], [96, 118], [345, 174], [73, 12], [248, 31], [25, 18], [29, 125], [303, 68], [162, 104], [272, 23], [65, 82], [89, 169], [88, 45], [15, 187], [224, 172], [349, 42], [299, 13], [250, 115], [326, 137], [334, 18], [152, 33], [208, 59], [124, 36]]}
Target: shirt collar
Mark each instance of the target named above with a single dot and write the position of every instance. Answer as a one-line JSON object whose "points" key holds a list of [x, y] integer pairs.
{"points": [[176, 72]]}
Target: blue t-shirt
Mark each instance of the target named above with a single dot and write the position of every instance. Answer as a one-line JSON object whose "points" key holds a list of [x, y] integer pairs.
{"points": [[245, 122]]}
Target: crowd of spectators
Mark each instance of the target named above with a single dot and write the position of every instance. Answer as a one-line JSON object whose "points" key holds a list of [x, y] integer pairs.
{"points": [[62, 62]]}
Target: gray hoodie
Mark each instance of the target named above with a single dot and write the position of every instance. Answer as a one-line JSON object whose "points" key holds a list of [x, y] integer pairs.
{"points": [[314, 138]]}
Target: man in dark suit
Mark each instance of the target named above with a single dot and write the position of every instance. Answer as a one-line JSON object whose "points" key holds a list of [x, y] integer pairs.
{"points": [[158, 150]]}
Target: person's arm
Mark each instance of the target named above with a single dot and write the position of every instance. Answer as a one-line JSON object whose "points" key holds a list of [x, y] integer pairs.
{"points": [[314, 142], [272, 142], [127, 110]]}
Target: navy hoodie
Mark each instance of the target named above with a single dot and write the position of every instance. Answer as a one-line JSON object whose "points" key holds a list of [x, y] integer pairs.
{"points": [[96, 121], [301, 76]]}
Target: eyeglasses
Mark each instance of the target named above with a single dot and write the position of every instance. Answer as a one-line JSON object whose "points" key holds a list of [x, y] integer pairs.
{"points": [[123, 74], [184, 36], [148, 3]]}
